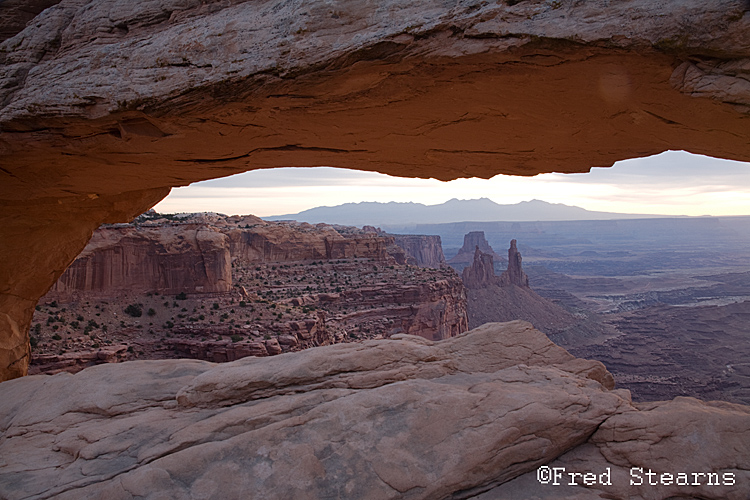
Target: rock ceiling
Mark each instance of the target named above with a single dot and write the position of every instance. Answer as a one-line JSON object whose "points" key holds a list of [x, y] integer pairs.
{"points": [[105, 105]]}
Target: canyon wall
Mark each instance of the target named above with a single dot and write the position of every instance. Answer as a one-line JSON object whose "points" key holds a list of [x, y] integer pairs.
{"points": [[274, 242], [435, 310], [421, 250], [356, 281], [190, 258], [196, 257]]}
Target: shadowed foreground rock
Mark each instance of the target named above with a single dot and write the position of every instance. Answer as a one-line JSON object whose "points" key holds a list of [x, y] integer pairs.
{"points": [[399, 418]]}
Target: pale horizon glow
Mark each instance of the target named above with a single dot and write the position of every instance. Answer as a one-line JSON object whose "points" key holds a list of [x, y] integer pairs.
{"points": [[672, 183]]}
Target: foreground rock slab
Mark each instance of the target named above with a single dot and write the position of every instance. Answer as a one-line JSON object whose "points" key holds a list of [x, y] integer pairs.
{"points": [[400, 418], [404, 418]]}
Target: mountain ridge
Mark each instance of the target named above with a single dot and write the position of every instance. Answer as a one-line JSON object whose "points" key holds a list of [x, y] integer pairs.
{"points": [[454, 210]]}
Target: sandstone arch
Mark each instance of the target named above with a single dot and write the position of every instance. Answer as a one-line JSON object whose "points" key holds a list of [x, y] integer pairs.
{"points": [[106, 104]]}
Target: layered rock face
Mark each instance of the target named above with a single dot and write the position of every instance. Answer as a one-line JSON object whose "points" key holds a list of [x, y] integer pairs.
{"points": [[472, 415], [284, 243], [508, 297], [167, 259], [104, 105], [421, 250], [15, 14], [434, 310], [196, 256]]}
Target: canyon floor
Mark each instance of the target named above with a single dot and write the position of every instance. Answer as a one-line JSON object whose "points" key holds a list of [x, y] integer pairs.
{"points": [[671, 311]]}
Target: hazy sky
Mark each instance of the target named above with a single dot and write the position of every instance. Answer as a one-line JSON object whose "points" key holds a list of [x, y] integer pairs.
{"points": [[672, 183]]}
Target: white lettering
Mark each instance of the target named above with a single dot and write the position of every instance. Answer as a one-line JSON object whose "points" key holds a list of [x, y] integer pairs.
{"points": [[728, 478], [544, 474], [558, 472], [573, 477], [634, 474]]}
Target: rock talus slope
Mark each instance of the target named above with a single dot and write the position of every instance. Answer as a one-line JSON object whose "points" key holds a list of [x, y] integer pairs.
{"points": [[104, 105], [403, 418]]}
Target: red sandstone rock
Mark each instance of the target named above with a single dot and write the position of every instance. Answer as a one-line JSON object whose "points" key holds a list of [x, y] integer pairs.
{"points": [[76, 361], [514, 275], [107, 104]]}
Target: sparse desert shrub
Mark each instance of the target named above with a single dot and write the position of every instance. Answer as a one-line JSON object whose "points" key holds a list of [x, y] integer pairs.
{"points": [[181, 296], [236, 338], [134, 310], [151, 311], [56, 337]]}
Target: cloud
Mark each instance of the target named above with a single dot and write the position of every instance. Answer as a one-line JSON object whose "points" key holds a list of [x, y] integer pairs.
{"points": [[668, 169], [298, 177], [672, 183]]}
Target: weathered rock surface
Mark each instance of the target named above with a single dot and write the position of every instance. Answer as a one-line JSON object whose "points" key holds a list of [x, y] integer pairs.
{"points": [[400, 418], [106, 104], [383, 419], [685, 438], [421, 250], [435, 310], [76, 361], [15, 14]]}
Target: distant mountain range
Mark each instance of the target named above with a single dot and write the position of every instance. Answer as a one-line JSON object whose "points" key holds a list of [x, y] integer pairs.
{"points": [[396, 214]]}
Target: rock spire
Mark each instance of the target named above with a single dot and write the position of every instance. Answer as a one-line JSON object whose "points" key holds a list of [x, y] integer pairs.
{"points": [[514, 275], [481, 273]]}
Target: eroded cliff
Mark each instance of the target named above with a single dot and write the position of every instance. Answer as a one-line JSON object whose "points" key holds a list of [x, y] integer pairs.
{"points": [[166, 259]]}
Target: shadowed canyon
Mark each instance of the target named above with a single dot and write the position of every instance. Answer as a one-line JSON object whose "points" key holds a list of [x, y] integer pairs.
{"points": [[105, 105]]}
